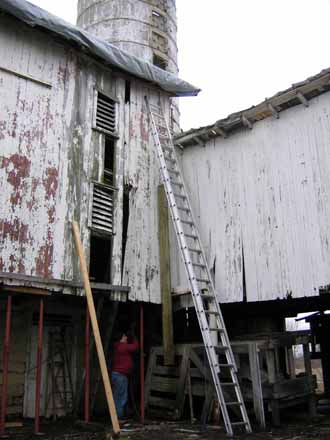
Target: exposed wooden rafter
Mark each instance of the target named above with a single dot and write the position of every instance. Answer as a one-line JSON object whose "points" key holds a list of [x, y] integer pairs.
{"points": [[302, 99]]}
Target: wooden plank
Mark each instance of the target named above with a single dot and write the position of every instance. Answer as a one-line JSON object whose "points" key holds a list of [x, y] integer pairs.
{"points": [[162, 402], [258, 403], [13, 424], [165, 277], [199, 365], [164, 384], [27, 290], [166, 371], [147, 384], [96, 331], [293, 387], [180, 395]]}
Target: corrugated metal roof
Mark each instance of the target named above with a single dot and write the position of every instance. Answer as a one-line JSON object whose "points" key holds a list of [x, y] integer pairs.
{"points": [[36, 17], [299, 93]]}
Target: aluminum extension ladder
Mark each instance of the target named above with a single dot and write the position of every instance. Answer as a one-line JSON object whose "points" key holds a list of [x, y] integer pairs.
{"points": [[217, 346]]}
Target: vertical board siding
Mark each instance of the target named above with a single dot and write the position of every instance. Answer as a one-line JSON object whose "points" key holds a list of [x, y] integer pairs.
{"points": [[50, 153], [141, 265], [266, 191], [31, 151]]}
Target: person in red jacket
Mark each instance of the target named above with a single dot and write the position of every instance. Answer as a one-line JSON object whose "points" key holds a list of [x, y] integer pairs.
{"points": [[122, 365]]}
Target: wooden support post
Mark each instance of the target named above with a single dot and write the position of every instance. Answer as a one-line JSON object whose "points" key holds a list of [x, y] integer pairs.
{"points": [[96, 331], [5, 361], [290, 361], [180, 391], [307, 360], [147, 386], [142, 362], [39, 367], [82, 382], [165, 277], [87, 367], [258, 403]]}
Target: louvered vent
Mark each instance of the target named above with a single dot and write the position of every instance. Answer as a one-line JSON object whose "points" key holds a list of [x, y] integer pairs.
{"points": [[106, 114], [102, 208]]}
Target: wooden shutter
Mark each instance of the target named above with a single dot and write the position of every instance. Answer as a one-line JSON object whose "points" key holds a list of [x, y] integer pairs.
{"points": [[106, 114], [102, 210]]}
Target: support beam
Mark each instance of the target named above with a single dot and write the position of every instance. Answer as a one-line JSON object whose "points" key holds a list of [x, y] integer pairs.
{"points": [[87, 367], [258, 403], [96, 331], [82, 381], [39, 368], [165, 277], [220, 131], [5, 361], [275, 113], [142, 363], [247, 122], [302, 99]]}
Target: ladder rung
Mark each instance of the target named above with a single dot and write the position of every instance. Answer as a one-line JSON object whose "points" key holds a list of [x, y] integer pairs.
{"points": [[228, 384], [233, 403], [198, 251], [198, 264], [153, 106], [194, 237], [221, 347], [183, 209], [180, 196], [207, 297], [176, 183], [238, 423], [187, 222], [173, 171], [203, 280], [211, 312], [161, 126], [158, 115], [216, 329]]}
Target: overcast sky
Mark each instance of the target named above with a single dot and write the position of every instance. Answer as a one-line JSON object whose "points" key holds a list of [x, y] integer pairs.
{"points": [[240, 51]]}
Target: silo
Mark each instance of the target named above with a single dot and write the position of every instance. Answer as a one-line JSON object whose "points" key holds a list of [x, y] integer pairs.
{"points": [[145, 28]]}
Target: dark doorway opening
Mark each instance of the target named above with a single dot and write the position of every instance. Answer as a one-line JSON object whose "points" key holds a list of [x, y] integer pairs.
{"points": [[100, 259]]}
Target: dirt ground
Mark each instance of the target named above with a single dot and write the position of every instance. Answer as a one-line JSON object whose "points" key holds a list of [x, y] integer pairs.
{"points": [[295, 426]]}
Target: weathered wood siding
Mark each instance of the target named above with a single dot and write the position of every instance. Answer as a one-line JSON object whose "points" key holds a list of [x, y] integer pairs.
{"points": [[265, 193], [50, 154], [141, 267]]}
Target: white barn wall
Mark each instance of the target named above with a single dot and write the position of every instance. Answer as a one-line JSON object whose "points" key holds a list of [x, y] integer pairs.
{"points": [[266, 190], [50, 154]]}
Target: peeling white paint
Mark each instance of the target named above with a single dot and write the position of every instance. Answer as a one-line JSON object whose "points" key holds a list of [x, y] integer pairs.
{"points": [[266, 190]]}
